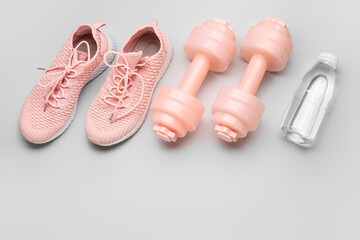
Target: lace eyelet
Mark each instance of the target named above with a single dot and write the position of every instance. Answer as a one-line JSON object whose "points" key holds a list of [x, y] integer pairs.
{"points": [[124, 105]]}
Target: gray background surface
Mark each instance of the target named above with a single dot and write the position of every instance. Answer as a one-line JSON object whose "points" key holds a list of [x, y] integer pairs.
{"points": [[199, 188]]}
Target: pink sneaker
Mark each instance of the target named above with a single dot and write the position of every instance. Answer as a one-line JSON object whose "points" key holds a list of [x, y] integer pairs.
{"points": [[51, 105], [121, 106]]}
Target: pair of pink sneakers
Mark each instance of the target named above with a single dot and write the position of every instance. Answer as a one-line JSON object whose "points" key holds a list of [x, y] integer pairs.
{"points": [[120, 107]]}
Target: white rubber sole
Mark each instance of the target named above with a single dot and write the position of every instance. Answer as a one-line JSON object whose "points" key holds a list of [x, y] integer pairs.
{"points": [[99, 70], [137, 127]]}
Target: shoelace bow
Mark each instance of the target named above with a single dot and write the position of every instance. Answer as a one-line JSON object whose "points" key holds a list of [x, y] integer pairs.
{"points": [[123, 79], [66, 72]]}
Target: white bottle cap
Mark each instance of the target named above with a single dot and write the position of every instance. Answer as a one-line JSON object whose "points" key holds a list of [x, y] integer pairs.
{"points": [[327, 59]]}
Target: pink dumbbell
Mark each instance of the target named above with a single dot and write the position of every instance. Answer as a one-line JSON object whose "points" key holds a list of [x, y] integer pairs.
{"points": [[237, 111], [176, 110]]}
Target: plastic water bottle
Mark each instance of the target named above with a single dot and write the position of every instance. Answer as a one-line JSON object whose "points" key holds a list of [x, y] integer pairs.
{"points": [[308, 107]]}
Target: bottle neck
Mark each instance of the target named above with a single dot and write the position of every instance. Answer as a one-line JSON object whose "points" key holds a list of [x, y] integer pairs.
{"points": [[329, 66]]}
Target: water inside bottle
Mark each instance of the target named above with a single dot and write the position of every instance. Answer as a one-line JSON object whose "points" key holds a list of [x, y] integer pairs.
{"points": [[306, 112]]}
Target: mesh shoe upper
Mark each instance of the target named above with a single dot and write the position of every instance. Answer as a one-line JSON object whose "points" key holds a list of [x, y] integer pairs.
{"points": [[101, 129], [40, 122]]}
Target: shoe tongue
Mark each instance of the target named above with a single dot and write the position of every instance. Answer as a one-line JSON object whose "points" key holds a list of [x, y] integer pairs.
{"points": [[132, 58], [79, 56]]}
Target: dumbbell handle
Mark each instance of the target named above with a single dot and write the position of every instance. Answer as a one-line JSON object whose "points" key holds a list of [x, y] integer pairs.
{"points": [[195, 74], [254, 73]]}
